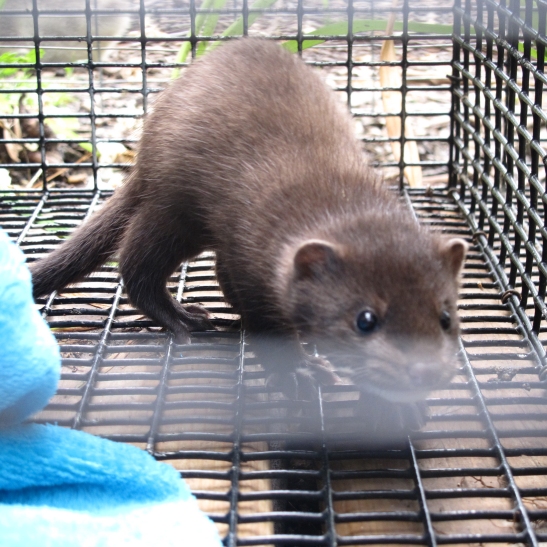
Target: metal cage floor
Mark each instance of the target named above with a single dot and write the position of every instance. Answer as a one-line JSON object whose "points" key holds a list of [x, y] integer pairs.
{"points": [[279, 472]]}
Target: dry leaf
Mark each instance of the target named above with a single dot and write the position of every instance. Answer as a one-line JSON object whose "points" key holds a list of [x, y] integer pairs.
{"points": [[63, 170], [128, 156], [73, 329], [100, 305], [77, 178], [12, 131], [114, 152]]}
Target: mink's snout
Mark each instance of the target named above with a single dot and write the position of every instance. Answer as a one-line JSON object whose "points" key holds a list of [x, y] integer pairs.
{"points": [[423, 375]]}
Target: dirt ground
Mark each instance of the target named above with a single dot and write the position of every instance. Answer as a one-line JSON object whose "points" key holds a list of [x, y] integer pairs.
{"points": [[123, 91]]}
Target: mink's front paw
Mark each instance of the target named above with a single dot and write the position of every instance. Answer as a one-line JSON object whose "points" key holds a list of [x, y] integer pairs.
{"points": [[284, 382], [319, 369], [302, 383]]}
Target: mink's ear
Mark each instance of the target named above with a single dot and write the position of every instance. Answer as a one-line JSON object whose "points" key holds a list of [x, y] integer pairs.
{"points": [[453, 253], [314, 258]]}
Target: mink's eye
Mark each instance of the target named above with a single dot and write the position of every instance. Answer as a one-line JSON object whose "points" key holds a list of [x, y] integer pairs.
{"points": [[445, 320], [366, 321]]}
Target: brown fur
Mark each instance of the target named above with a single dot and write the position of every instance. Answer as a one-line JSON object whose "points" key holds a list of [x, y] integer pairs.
{"points": [[250, 155]]}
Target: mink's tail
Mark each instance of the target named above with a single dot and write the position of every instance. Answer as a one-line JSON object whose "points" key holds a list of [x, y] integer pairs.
{"points": [[88, 248]]}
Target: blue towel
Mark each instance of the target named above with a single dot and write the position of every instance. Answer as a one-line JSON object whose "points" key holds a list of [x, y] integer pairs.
{"points": [[66, 488], [29, 356]]}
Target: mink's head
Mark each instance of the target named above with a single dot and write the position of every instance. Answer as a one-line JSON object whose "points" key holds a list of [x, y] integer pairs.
{"points": [[380, 303]]}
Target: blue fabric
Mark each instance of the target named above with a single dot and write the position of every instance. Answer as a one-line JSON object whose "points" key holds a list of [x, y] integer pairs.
{"points": [[29, 356], [66, 488]]}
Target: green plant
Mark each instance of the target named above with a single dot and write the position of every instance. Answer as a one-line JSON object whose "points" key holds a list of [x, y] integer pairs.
{"points": [[204, 21], [207, 22], [365, 25], [16, 79], [12, 58]]}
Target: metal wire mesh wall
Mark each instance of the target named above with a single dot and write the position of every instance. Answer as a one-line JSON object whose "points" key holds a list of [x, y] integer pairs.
{"points": [[75, 100], [271, 471], [499, 158]]}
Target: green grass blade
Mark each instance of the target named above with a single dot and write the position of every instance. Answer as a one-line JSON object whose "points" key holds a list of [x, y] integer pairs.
{"points": [[208, 23], [204, 21], [210, 26], [426, 28], [533, 51], [236, 28], [366, 25]]}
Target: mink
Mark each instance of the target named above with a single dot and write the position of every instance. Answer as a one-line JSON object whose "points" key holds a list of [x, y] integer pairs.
{"points": [[250, 155]]}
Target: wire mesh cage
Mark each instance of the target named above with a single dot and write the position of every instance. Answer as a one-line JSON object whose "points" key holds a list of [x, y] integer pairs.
{"points": [[447, 100]]}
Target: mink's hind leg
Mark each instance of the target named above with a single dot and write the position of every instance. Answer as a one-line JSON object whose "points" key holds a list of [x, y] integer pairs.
{"points": [[148, 256]]}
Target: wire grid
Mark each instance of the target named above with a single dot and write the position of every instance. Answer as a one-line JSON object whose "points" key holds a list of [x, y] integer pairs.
{"points": [[112, 89], [277, 472], [499, 156], [271, 472]]}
